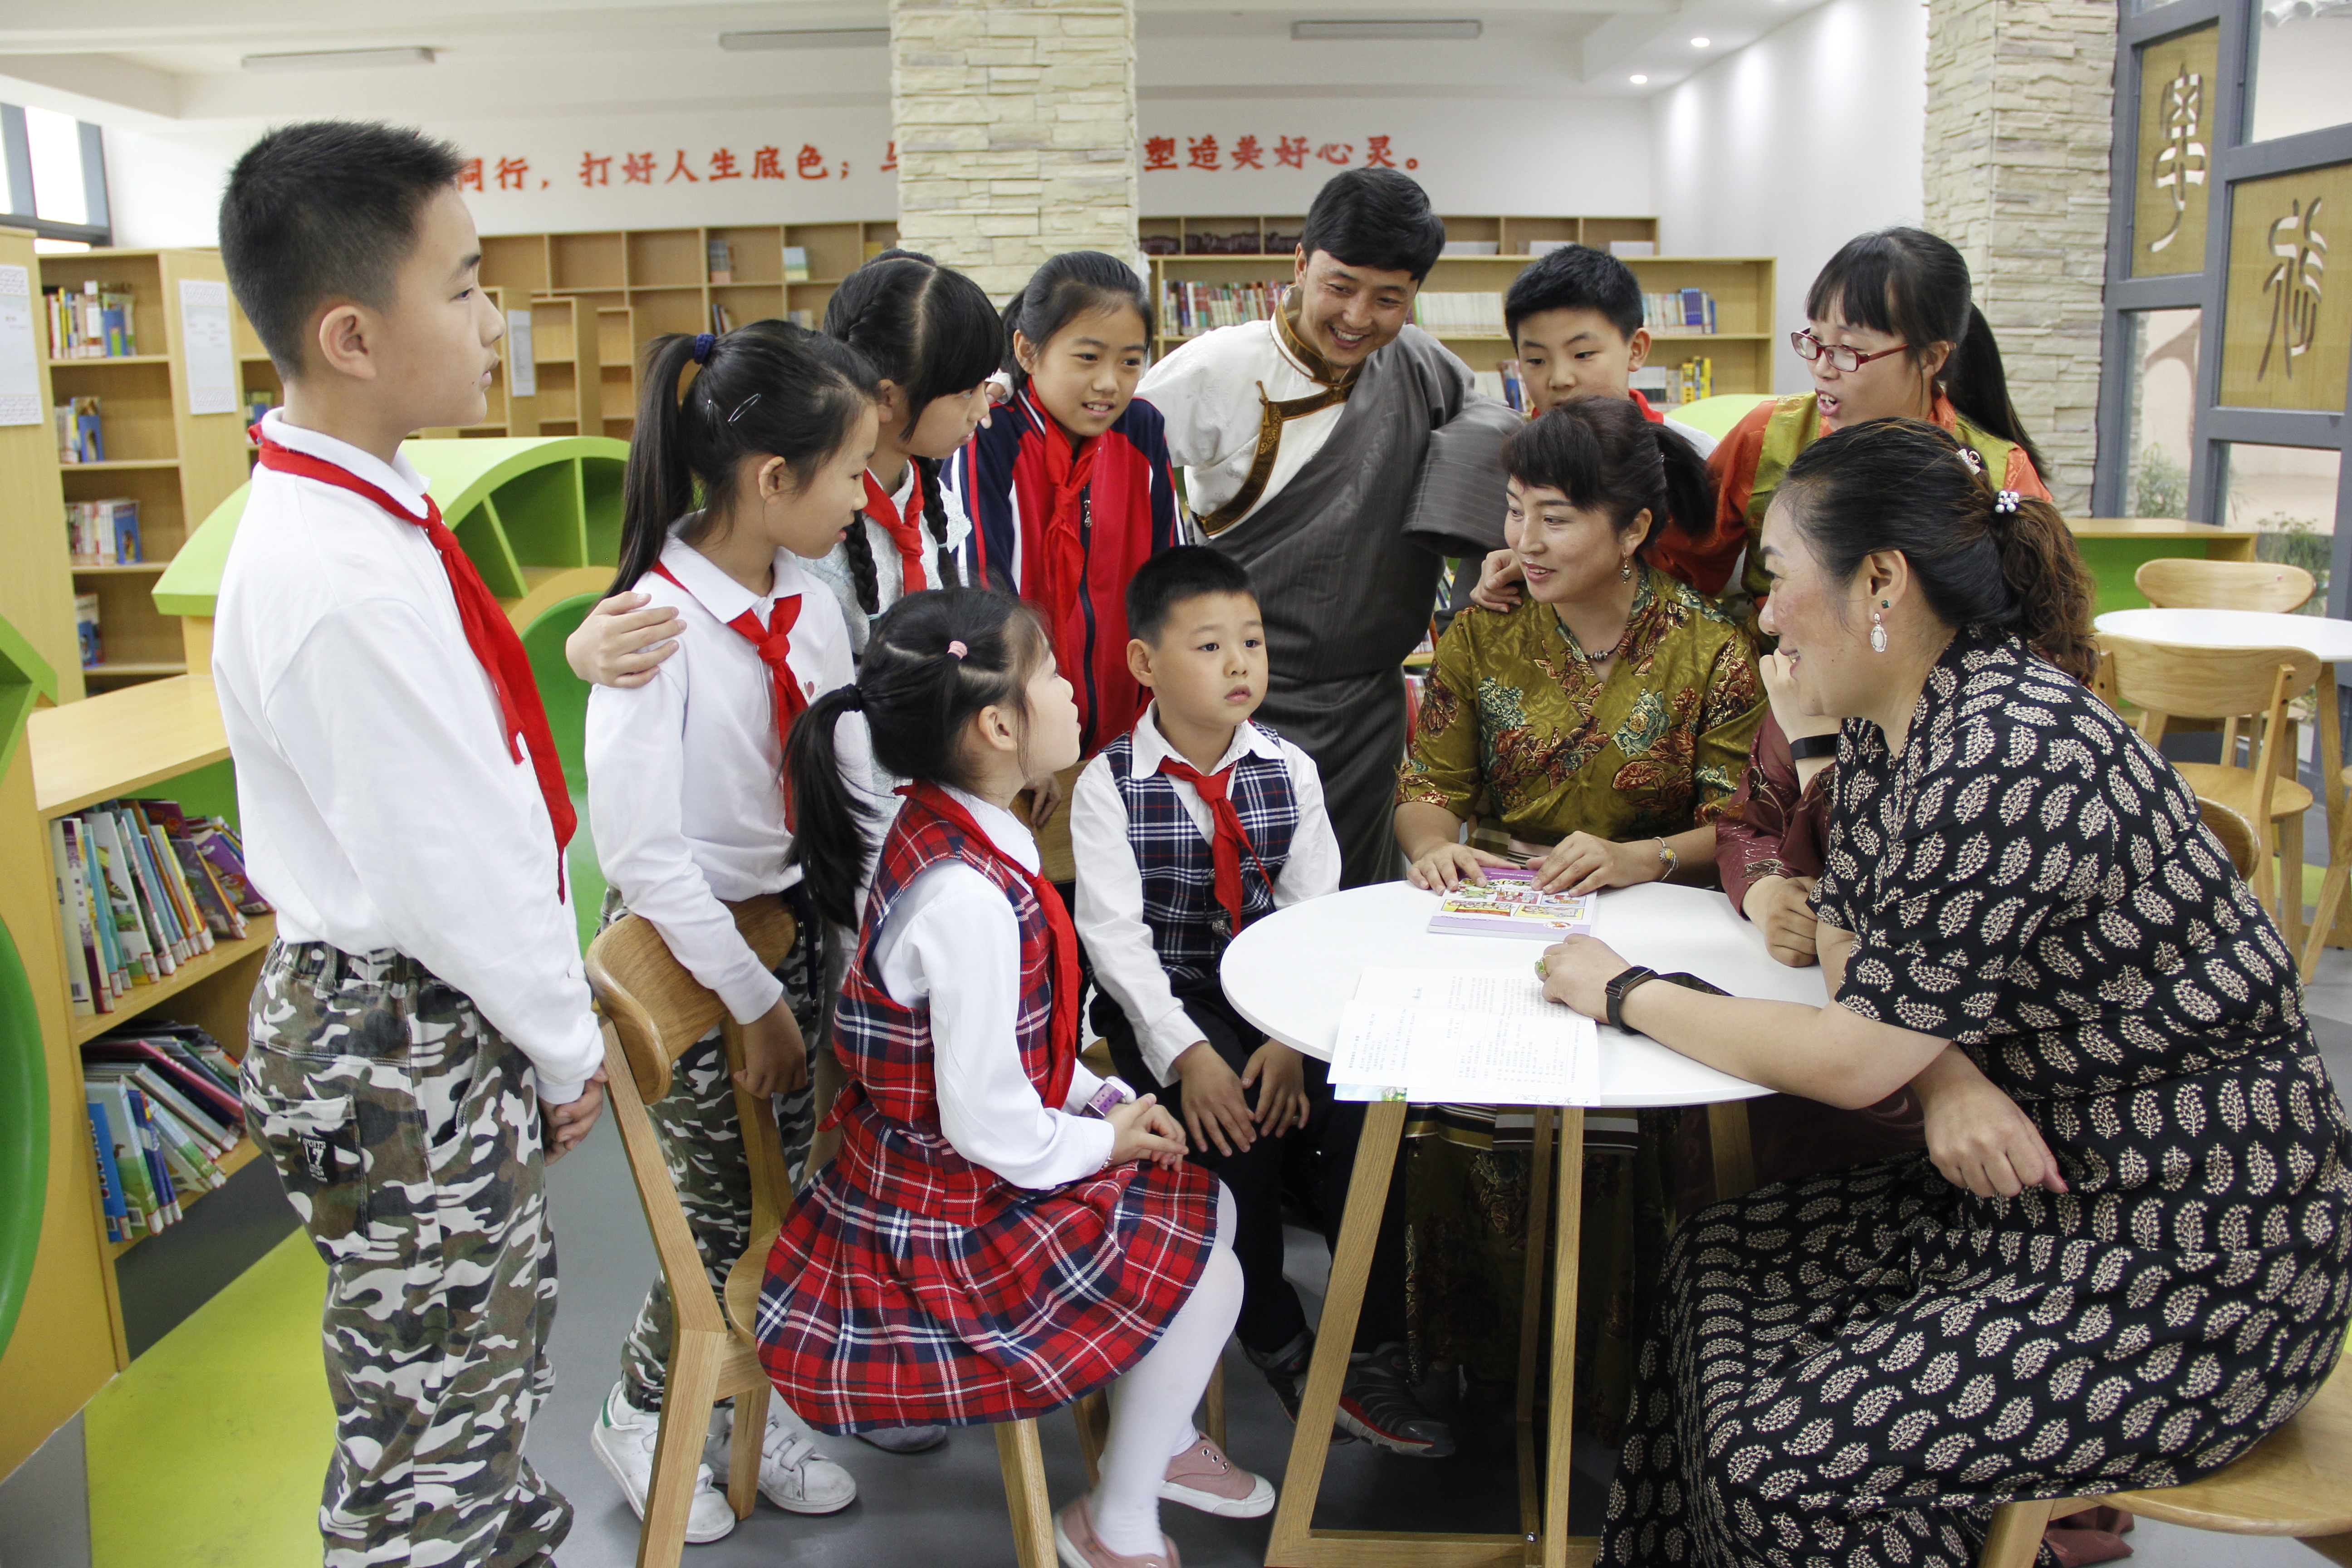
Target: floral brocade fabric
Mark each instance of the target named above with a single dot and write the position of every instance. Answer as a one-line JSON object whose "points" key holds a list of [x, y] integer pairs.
{"points": [[1517, 726]]}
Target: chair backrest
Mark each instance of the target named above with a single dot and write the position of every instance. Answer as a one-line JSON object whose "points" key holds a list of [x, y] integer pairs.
{"points": [[2176, 584], [2237, 835], [2186, 683], [657, 1007]]}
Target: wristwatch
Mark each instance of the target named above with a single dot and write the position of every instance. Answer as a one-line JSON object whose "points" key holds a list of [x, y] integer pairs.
{"points": [[1805, 748], [1618, 988], [1114, 1091]]}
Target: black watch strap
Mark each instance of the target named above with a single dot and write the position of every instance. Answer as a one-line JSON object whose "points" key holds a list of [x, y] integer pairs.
{"points": [[1618, 989], [1805, 748]]}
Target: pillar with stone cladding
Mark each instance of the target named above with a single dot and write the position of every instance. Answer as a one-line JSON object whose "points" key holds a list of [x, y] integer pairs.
{"points": [[2019, 122], [1016, 129]]}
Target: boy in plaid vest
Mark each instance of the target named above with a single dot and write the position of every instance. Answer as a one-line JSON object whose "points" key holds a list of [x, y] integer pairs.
{"points": [[1185, 829]]}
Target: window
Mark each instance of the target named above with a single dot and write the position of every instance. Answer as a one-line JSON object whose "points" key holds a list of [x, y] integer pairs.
{"points": [[2163, 411], [55, 175], [2287, 495], [2303, 60]]}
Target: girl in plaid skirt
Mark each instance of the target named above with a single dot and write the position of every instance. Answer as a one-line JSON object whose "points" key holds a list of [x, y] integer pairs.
{"points": [[1001, 1231]]}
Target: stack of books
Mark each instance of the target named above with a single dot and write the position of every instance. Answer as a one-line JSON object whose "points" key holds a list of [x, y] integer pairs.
{"points": [[1187, 309], [797, 264], [1458, 315], [93, 322], [1684, 383], [164, 1114], [142, 887], [1504, 383], [1679, 310], [103, 533], [80, 439], [722, 261]]}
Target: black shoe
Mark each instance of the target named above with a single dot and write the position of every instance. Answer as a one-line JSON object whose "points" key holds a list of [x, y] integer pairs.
{"points": [[1377, 1405], [1285, 1373]]}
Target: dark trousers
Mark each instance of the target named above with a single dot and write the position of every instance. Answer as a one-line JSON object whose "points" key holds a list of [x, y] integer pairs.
{"points": [[1311, 1164]]}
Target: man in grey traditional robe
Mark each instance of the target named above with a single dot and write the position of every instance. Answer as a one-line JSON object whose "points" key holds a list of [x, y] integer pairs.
{"points": [[1340, 453]]}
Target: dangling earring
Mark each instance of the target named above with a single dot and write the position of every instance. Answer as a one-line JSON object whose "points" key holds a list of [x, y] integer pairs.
{"points": [[1624, 569], [1877, 630]]}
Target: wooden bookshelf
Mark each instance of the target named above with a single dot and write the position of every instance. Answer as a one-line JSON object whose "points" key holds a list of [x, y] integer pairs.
{"points": [[236, 1159], [176, 465], [1741, 346], [36, 570], [643, 283]]}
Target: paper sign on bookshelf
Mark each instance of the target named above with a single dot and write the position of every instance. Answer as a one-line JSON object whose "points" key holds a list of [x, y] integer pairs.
{"points": [[211, 357], [20, 369], [522, 363], [1479, 1039]]}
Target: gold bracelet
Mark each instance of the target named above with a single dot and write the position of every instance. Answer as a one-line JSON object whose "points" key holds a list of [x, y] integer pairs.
{"points": [[1669, 859]]}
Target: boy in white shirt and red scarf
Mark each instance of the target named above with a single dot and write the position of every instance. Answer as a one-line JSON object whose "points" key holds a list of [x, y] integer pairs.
{"points": [[1195, 823], [422, 1034]]}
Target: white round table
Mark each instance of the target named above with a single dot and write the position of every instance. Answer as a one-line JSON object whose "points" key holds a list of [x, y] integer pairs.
{"points": [[1291, 973]]}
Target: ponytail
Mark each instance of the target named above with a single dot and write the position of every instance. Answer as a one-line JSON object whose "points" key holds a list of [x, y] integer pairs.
{"points": [[936, 659], [1981, 557], [1973, 379], [1603, 454], [769, 389]]}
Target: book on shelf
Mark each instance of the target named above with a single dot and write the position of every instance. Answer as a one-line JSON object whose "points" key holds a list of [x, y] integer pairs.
{"points": [[1477, 314], [722, 320], [141, 889], [164, 1113], [1187, 309], [1679, 310], [797, 264], [722, 261], [1504, 383], [1665, 384], [257, 401], [94, 321], [1621, 248], [103, 533], [109, 1174], [80, 436], [86, 633]]}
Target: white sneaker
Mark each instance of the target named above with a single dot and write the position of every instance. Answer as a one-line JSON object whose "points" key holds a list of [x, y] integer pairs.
{"points": [[795, 1474], [623, 1437]]}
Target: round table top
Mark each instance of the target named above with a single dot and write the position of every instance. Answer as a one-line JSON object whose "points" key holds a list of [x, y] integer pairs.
{"points": [[2325, 638], [1293, 972]]}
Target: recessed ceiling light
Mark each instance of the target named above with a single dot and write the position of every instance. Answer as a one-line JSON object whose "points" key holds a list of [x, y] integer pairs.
{"points": [[1701, 42], [337, 59], [809, 38], [1637, 78], [1468, 28]]}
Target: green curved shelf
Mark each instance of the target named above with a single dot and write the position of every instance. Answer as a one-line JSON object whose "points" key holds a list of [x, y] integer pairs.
{"points": [[521, 505], [24, 677]]}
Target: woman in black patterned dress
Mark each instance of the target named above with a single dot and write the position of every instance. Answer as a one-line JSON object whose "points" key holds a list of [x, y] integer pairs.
{"points": [[2124, 1256]]}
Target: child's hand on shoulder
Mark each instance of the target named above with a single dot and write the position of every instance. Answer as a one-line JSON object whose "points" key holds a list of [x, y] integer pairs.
{"points": [[1498, 581], [1142, 1130], [1216, 1106], [1279, 1074], [622, 641], [775, 1058]]}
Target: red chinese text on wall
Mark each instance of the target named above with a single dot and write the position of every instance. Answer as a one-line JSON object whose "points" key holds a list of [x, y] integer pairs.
{"points": [[1163, 153], [605, 171]]}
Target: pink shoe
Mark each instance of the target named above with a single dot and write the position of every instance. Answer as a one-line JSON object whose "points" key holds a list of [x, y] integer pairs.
{"points": [[1203, 1478], [1074, 1544]]}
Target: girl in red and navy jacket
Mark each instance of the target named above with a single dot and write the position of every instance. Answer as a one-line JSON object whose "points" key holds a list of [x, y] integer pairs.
{"points": [[1069, 489], [1001, 1232]]}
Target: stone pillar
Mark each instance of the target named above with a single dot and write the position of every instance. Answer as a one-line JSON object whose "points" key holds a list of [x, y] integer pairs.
{"points": [[1015, 125], [2019, 123]]}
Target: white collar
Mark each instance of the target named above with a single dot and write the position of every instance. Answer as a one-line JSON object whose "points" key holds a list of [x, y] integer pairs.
{"points": [[1004, 830], [719, 593], [399, 478], [1151, 747]]}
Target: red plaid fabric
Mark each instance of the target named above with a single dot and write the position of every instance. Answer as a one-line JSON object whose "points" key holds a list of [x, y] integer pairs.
{"points": [[912, 1287]]}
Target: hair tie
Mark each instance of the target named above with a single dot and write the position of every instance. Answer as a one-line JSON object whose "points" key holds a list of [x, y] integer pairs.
{"points": [[2005, 501], [956, 649], [855, 702], [702, 342]]}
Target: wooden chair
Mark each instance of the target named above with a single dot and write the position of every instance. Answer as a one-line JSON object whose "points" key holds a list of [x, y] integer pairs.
{"points": [[2183, 584], [2237, 835], [2165, 680], [2297, 1482], [2331, 887]]}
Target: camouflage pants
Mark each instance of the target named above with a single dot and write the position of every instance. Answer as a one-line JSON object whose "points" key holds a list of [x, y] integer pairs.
{"points": [[702, 1143], [407, 1130]]}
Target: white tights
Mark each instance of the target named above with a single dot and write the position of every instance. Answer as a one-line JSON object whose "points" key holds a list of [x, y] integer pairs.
{"points": [[1151, 1407]]}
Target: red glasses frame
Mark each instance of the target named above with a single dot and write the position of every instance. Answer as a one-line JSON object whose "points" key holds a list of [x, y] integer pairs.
{"points": [[1810, 348]]}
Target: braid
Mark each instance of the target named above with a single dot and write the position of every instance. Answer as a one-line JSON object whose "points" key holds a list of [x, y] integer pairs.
{"points": [[935, 515], [858, 546]]}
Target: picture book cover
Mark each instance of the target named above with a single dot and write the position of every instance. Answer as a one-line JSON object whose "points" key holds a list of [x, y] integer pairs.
{"points": [[1508, 905]]}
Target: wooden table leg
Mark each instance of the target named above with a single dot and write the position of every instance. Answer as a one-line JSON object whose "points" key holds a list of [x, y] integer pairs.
{"points": [[1735, 1150], [1343, 1302], [1531, 1323], [1560, 1448]]}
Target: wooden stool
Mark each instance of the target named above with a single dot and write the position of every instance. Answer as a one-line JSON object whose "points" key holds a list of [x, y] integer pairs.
{"points": [[2297, 1482]]}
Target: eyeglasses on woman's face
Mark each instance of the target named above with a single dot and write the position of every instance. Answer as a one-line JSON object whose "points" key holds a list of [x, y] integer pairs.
{"points": [[1842, 357]]}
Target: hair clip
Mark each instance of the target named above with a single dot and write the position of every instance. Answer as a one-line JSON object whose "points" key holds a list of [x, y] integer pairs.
{"points": [[1975, 463], [2005, 501], [956, 649], [742, 407], [702, 342]]}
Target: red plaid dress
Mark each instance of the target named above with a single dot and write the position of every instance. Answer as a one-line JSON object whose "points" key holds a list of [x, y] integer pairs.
{"points": [[912, 1287]]}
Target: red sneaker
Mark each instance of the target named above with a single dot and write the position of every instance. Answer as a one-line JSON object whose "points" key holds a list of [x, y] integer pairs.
{"points": [[1203, 1478]]}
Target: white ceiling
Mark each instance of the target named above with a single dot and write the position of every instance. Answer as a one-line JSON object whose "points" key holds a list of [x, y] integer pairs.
{"points": [[162, 62]]}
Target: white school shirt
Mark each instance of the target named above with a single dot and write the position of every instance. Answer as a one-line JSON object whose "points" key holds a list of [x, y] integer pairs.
{"points": [[1207, 392], [684, 797], [1110, 883], [953, 938], [381, 806], [889, 575]]}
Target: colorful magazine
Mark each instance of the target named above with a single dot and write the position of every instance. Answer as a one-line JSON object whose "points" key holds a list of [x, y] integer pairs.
{"points": [[1508, 905]]}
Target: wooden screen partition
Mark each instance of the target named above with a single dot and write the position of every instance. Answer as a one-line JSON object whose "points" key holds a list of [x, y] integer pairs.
{"points": [[36, 577]]}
